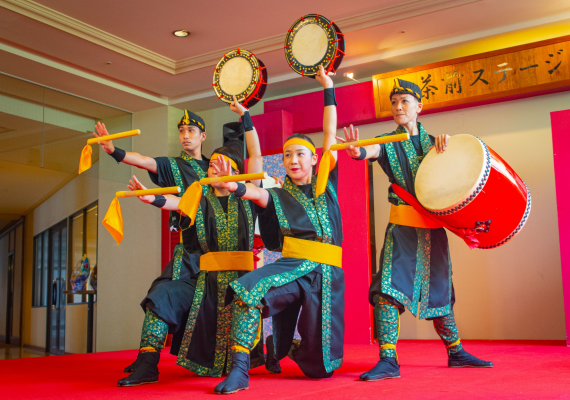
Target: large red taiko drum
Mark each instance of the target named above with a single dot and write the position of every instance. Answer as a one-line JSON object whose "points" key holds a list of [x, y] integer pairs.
{"points": [[470, 186]]}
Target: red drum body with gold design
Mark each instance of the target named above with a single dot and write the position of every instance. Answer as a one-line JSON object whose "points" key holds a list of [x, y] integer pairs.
{"points": [[240, 73], [470, 186], [313, 40]]}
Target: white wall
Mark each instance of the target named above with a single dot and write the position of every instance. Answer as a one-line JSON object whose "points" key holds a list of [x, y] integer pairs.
{"points": [[126, 271], [515, 291]]}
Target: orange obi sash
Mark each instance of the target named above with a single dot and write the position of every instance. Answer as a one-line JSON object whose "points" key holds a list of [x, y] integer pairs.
{"points": [[408, 216], [318, 252], [227, 261]]}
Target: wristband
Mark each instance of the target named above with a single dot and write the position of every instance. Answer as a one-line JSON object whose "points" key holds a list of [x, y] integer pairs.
{"points": [[240, 191], [118, 154], [159, 201], [330, 99], [362, 155], [247, 122]]}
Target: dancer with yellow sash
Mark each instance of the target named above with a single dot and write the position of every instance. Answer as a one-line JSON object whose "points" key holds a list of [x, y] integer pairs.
{"points": [[219, 240], [416, 266], [308, 230]]}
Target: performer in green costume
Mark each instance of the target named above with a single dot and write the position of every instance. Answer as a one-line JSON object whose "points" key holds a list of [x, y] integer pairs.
{"points": [[416, 266], [306, 225]]}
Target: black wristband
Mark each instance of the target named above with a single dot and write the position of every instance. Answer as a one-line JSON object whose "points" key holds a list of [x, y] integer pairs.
{"points": [[159, 201], [246, 121], [118, 154], [362, 155], [241, 189], [330, 99]]}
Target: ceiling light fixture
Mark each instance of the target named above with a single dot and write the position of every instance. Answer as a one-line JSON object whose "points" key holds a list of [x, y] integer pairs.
{"points": [[350, 75], [181, 33]]}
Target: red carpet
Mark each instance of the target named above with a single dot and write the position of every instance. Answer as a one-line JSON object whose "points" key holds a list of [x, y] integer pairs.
{"points": [[523, 370]]}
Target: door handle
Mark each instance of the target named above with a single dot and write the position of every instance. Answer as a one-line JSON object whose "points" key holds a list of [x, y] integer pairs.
{"points": [[54, 294]]}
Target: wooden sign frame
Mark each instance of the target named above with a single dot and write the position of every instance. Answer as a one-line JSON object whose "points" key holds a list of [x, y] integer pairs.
{"points": [[512, 73]]}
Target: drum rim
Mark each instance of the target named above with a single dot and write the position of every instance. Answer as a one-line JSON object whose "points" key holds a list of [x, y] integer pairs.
{"points": [[259, 78], [478, 187], [519, 226], [331, 57]]}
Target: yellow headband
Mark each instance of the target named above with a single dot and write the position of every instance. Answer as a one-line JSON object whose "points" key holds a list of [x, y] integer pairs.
{"points": [[301, 142], [226, 159]]}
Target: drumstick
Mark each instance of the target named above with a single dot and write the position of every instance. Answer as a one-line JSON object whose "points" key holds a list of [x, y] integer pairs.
{"points": [[235, 178], [367, 142], [147, 192], [115, 136]]}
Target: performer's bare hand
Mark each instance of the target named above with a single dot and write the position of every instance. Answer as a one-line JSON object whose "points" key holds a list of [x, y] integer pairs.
{"points": [[351, 136], [134, 184], [223, 168], [323, 78], [237, 107], [441, 143], [107, 146]]}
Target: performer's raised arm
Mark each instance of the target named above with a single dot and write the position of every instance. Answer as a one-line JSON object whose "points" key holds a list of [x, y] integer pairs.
{"points": [[255, 160], [191, 138], [329, 115]]}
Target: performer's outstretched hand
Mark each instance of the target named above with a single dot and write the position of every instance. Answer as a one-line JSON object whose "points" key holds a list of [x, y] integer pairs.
{"points": [[223, 168], [441, 143], [134, 184], [107, 145], [237, 107], [351, 136], [323, 78]]}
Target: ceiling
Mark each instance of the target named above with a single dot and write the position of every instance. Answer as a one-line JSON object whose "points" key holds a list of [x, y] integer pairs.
{"points": [[123, 54], [67, 44]]}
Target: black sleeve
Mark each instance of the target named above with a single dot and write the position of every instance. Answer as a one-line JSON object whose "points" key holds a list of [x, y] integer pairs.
{"points": [[163, 176], [333, 176], [269, 226]]}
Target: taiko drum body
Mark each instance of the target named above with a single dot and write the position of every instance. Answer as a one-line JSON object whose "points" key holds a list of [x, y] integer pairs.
{"points": [[470, 186]]}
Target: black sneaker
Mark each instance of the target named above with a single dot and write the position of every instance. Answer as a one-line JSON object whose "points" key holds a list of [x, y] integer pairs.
{"points": [[146, 371], [463, 359], [387, 368]]}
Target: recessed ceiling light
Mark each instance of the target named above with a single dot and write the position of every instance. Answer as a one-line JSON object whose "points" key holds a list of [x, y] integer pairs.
{"points": [[181, 33]]}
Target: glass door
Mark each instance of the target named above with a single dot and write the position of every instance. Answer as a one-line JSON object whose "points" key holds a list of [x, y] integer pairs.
{"points": [[56, 298]]}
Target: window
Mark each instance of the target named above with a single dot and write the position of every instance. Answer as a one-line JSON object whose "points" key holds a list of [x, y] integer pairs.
{"points": [[41, 254], [83, 237]]}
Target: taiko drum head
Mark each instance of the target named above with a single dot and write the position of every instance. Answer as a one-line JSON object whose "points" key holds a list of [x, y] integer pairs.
{"points": [[446, 179], [313, 40], [240, 73]]}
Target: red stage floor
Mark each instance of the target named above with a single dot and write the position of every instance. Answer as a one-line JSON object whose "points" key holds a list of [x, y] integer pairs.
{"points": [[537, 370]]}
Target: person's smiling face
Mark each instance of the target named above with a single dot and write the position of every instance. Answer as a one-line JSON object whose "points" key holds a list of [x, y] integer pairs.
{"points": [[298, 161]]}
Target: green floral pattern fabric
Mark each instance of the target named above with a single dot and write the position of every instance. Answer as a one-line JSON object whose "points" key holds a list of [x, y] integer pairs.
{"points": [[154, 331], [447, 331]]}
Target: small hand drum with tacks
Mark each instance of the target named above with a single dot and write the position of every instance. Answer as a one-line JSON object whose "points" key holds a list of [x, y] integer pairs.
{"points": [[313, 40], [240, 73]]}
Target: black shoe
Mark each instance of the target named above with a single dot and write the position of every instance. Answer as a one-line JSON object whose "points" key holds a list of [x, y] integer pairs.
{"points": [[271, 363], [463, 359], [386, 368], [146, 371], [238, 378], [133, 366]]}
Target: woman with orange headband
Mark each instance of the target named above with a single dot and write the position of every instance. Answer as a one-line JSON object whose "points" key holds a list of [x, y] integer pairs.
{"points": [[220, 241], [307, 227]]}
